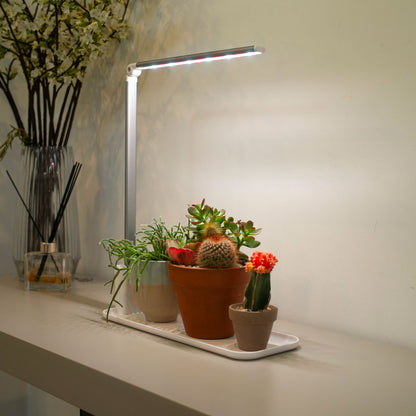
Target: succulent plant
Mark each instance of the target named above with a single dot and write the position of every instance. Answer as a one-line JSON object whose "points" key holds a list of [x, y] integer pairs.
{"points": [[205, 220], [257, 295], [222, 238], [125, 257], [181, 255], [217, 251]]}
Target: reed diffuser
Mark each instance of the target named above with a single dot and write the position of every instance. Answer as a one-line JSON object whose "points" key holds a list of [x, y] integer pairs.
{"points": [[47, 269]]}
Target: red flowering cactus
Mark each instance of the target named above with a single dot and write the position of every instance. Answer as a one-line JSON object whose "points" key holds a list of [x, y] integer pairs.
{"points": [[257, 296], [261, 262]]}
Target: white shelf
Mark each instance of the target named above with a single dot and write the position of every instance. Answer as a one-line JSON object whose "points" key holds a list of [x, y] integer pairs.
{"points": [[60, 343]]}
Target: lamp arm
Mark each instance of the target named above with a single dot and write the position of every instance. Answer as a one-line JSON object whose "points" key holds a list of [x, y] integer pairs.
{"points": [[133, 72]]}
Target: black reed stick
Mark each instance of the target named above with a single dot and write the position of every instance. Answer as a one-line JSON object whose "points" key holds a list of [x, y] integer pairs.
{"points": [[67, 193], [30, 214], [26, 207]]}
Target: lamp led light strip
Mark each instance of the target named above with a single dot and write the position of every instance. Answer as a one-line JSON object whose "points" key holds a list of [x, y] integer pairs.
{"points": [[134, 70], [195, 58]]}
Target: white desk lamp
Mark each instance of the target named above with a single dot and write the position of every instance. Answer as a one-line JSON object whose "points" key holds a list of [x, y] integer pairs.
{"points": [[133, 72]]}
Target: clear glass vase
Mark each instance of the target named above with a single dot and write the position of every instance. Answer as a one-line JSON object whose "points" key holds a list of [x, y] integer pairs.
{"points": [[46, 173]]}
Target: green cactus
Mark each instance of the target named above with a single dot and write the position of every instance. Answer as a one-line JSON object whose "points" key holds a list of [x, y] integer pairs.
{"points": [[217, 251], [257, 296]]}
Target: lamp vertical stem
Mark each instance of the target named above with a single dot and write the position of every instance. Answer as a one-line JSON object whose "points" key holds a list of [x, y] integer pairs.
{"points": [[130, 156]]}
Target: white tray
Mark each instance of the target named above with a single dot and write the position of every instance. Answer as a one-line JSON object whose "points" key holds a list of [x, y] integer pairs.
{"points": [[227, 347]]}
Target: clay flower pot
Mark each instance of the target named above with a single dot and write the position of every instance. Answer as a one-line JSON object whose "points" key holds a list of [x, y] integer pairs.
{"points": [[204, 296], [155, 296], [252, 329]]}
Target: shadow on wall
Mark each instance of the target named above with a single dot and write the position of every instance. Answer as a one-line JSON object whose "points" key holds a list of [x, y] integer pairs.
{"points": [[9, 201], [98, 135], [161, 102]]}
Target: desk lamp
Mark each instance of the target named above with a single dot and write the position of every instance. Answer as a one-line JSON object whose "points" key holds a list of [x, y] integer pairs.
{"points": [[133, 72]]}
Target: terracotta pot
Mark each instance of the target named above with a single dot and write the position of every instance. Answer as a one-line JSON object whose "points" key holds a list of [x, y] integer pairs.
{"points": [[252, 329], [155, 296], [204, 296]]}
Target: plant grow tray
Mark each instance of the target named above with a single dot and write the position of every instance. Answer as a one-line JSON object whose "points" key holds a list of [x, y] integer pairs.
{"points": [[227, 347]]}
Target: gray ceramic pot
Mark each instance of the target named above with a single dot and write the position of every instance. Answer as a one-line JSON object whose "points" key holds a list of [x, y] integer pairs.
{"points": [[155, 296]]}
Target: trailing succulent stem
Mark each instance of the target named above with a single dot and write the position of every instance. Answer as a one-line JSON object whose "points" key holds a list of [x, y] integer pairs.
{"points": [[257, 296]]}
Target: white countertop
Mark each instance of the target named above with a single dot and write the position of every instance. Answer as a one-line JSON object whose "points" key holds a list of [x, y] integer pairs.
{"points": [[61, 344]]}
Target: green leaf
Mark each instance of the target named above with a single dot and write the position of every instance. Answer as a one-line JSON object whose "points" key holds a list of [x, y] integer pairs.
{"points": [[206, 211], [192, 210], [13, 134], [3, 52], [250, 242]]}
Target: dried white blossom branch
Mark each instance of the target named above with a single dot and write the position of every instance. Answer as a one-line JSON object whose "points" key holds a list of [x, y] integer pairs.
{"points": [[51, 43]]}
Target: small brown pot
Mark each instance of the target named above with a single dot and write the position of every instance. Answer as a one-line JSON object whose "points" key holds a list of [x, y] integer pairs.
{"points": [[252, 329], [155, 296], [204, 296]]}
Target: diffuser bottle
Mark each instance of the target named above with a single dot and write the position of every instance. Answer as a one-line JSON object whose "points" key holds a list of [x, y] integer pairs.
{"points": [[48, 270]]}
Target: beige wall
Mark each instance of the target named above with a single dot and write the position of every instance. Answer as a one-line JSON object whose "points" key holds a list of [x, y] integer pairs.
{"points": [[314, 141]]}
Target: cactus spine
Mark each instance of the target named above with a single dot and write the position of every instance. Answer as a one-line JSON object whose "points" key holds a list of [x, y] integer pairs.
{"points": [[217, 251], [257, 296]]}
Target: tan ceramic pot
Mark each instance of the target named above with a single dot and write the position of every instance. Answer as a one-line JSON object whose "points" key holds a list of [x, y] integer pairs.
{"points": [[204, 296], [252, 329], [155, 296]]}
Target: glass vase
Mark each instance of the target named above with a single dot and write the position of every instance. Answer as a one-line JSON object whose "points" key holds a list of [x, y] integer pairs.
{"points": [[46, 171]]}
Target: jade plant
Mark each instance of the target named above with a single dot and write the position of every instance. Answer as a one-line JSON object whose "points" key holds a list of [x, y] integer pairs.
{"points": [[257, 295], [205, 220], [129, 259], [214, 240]]}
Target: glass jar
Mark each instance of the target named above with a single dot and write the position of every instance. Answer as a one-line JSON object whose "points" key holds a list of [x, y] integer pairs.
{"points": [[45, 172], [48, 270]]}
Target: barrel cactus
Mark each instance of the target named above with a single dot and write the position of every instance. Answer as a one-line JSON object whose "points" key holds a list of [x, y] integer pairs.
{"points": [[217, 251]]}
